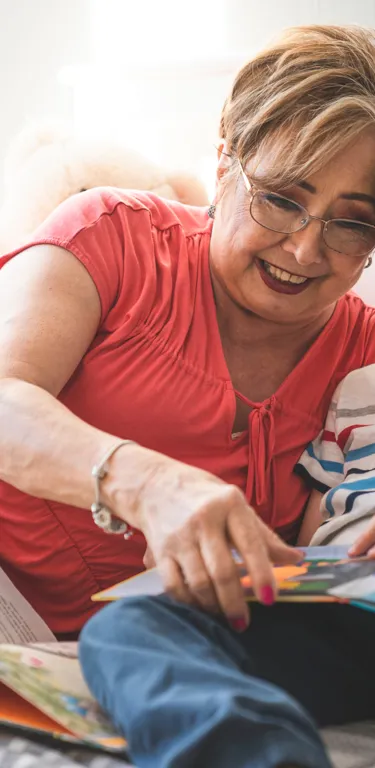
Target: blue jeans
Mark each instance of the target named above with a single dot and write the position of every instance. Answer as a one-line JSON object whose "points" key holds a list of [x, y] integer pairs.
{"points": [[186, 691]]}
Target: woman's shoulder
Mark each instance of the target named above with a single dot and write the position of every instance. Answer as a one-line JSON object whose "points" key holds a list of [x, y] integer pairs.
{"points": [[123, 208], [146, 208], [357, 306], [165, 214], [356, 326], [358, 309], [133, 244]]}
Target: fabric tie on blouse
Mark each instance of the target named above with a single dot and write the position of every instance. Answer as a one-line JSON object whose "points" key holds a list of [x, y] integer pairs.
{"points": [[260, 476]]}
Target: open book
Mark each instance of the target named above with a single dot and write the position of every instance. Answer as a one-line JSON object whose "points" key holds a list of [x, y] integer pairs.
{"points": [[325, 575], [41, 684]]}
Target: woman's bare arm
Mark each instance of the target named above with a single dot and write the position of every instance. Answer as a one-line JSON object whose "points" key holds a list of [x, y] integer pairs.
{"points": [[49, 314]]}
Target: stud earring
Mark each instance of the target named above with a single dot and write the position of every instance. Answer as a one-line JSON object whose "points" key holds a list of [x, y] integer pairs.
{"points": [[211, 211], [369, 262]]}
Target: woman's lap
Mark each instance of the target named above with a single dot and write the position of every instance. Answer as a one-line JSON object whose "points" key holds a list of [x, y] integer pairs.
{"points": [[185, 690]]}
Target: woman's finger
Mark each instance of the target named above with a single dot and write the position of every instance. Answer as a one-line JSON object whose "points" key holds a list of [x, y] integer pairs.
{"points": [[248, 538], [364, 542], [198, 580], [148, 559], [280, 553], [173, 581], [224, 574]]}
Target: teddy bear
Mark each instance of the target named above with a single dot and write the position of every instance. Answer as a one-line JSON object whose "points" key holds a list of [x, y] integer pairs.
{"points": [[47, 163]]}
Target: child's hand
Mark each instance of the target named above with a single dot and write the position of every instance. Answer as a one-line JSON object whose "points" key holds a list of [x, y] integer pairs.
{"points": [[365, 544]]}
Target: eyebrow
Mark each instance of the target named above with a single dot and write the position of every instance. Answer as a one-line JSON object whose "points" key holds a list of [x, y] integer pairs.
{"points": [[308, 187], [360, 196]]}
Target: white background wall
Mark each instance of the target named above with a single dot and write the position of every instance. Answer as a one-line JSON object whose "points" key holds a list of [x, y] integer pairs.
{"points": [[37, 38], [152, 72]]}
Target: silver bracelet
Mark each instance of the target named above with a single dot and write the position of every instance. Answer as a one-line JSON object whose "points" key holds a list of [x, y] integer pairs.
{"points": [[103, 516]]}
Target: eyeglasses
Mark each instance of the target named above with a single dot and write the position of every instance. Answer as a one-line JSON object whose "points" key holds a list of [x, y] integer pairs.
{"points": [[279, 214]]}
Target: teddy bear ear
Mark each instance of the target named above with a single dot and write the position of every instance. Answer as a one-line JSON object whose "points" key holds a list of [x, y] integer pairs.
{"points": [[188, 189], [26, 143]]}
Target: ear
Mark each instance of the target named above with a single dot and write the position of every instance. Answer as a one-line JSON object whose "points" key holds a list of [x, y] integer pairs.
{"points": [[224, 163]]}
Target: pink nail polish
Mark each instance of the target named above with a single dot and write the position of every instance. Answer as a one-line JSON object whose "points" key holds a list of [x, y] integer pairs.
{"points": [[267, 595], [238, 624]]}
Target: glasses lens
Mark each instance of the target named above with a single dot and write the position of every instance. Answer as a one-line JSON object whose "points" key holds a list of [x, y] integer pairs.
{"points": [[349, 237], [277, 213]]}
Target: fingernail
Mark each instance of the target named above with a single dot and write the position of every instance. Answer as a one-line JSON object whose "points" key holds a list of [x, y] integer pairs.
{"points": [[238, 624], [267, 595]]}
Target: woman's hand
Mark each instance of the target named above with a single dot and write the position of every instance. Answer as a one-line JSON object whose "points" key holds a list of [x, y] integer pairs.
{"points": [[365, 544], [148, 559], [192, 521]]}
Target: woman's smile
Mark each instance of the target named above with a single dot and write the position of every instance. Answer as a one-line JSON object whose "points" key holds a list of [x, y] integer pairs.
{"points": [[280, 280]]}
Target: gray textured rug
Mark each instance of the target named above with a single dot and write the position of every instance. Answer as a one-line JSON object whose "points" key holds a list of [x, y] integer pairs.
{"points": [[349, 747], [21, 752], [352, 746]]}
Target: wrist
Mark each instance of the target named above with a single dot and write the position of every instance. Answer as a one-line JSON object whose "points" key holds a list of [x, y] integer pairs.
{"points": [[121, 490]]}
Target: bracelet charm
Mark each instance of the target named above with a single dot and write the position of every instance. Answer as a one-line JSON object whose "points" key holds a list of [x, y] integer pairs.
{"points": [[101, 515]]}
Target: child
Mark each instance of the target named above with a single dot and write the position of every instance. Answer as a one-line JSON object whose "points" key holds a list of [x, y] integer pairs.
{"points": [[340, 466]]}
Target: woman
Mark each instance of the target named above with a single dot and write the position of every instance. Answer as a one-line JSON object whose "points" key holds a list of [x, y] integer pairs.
{"points": [[214, 344]]}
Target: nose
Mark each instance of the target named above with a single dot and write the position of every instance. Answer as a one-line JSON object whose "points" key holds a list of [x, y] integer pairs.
{"points": [[307, 245]]}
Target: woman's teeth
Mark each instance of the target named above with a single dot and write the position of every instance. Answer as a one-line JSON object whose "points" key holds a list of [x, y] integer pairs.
{"points": [[282, 275]]}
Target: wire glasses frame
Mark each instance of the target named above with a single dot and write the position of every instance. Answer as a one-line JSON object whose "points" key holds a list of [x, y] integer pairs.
{"points": [[267, 207]]}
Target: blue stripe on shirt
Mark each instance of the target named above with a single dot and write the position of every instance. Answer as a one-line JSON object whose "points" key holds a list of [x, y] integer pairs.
{"points": [[361, 453], [328, 466], [366, 485]]}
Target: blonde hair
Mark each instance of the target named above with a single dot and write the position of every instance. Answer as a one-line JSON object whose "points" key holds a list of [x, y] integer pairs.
{"points": [[313, 91]]}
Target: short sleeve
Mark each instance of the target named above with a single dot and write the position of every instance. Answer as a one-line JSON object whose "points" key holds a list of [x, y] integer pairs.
{"points": [[349, 442], [322, 463], [355, 433], [95, 227]]}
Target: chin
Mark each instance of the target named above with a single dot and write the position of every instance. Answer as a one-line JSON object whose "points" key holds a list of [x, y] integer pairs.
{"points": [[279, 308], [280, 316]]}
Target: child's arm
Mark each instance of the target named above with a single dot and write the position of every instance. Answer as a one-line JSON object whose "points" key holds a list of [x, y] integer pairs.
{"points": [[322, 468], [340, 462], [312, 519]]}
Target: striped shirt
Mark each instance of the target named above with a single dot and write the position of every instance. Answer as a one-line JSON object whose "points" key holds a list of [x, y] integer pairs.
{"points": [[340, 462]]}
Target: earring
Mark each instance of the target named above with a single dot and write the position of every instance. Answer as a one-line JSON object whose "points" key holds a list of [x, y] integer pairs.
{"points": [[211, 211], [369, 262]]}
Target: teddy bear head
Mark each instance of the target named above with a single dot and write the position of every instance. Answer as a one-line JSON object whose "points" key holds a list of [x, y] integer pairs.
{"points": [[47, 163]]}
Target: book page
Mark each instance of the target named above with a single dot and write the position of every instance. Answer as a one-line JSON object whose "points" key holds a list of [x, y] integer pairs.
{"points": [[150, 583], [16, 711], [48, 676], [19, 623]]}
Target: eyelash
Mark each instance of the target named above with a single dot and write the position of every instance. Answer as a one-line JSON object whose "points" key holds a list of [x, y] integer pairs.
{"points": [[354, 215]]}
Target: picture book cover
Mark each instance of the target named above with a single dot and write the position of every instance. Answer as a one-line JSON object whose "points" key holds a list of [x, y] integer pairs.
{"points": [[326, 574], [42, 689], [41, 685]]}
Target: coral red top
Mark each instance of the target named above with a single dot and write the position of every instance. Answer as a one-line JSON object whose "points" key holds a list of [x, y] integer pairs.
{"points": [[156, 373]]}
